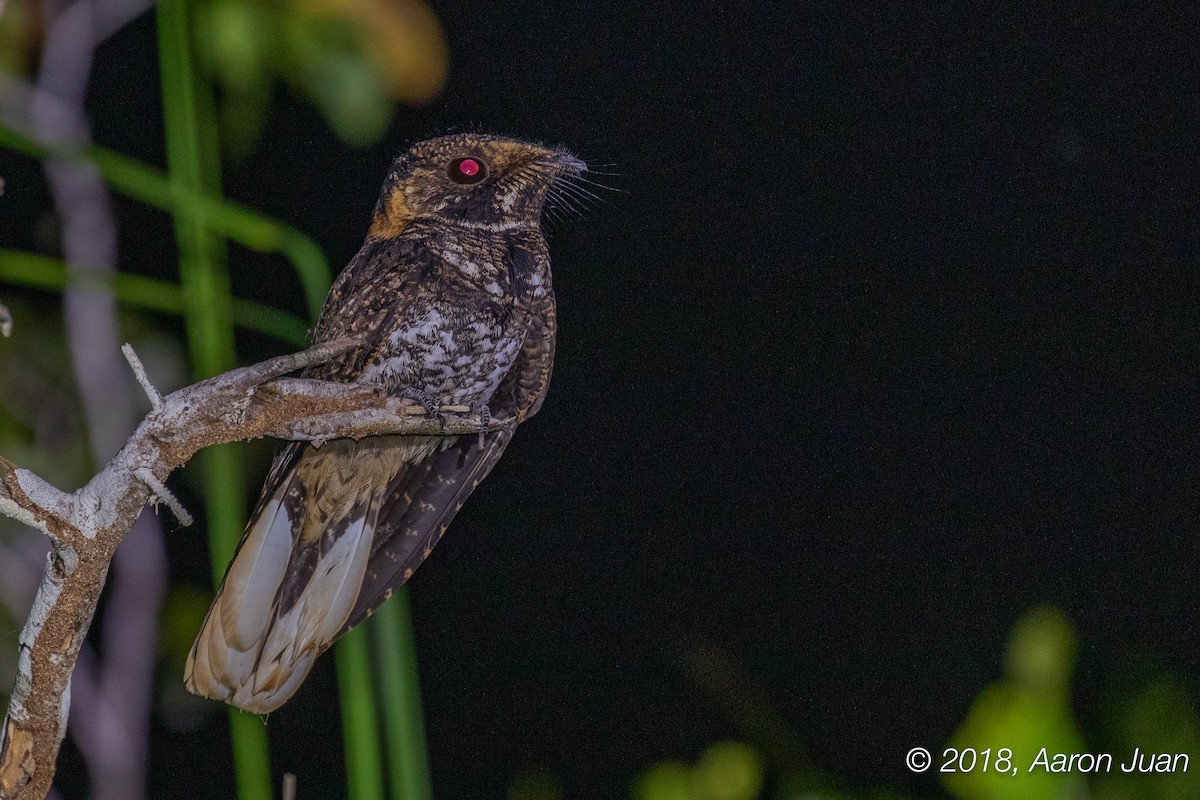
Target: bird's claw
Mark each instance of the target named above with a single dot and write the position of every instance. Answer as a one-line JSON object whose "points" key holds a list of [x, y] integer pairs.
{"points": [[485, 421], [427, 401]]}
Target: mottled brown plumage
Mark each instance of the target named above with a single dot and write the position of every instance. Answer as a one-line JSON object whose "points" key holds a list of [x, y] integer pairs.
{"points": [[451, 290]]}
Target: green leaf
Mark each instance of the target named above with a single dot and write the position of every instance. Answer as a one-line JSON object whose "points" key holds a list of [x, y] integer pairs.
{"points": [[344, 87], [667, 780], [335, 73], [728, 771], [1015, 719]]}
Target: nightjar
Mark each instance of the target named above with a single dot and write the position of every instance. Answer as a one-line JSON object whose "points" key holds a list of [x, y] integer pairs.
{"points": [[451, 294]]}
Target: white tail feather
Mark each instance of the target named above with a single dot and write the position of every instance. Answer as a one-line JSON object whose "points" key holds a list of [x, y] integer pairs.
{"points": [[247, 653]]}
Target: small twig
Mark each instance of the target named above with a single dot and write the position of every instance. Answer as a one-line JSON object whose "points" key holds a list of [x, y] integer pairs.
{"points": [[139, 372], [23, 515], [163, 495]]}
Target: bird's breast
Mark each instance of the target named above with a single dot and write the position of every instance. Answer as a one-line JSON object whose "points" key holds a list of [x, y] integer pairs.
{"points": [[457, 355]]}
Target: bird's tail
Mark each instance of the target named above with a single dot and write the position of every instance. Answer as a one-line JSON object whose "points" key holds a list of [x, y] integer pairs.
{"points": [[337, 530]]}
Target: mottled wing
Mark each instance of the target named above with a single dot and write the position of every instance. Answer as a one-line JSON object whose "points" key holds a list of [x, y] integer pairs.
{"points": [[384, 280], [425, 496], [421, 501], [523, 389]]}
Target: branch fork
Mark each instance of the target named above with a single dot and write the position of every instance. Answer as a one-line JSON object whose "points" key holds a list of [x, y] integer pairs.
{"points": [[85, 527]]}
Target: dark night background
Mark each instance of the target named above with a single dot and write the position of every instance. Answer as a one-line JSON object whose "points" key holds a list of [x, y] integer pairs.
{"points": [[889, 335]]}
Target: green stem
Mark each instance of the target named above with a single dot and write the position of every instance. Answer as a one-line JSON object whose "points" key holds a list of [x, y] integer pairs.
{"points": [[150, 186], [252, 767], [193, 164], [360, 726], [40, 272], [400, 689]]}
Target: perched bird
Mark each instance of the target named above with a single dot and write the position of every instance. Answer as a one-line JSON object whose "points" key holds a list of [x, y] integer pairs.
{"points": [[451, 294]]}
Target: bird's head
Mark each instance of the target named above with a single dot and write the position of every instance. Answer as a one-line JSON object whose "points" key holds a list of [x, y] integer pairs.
{"points": [[471, 180]]}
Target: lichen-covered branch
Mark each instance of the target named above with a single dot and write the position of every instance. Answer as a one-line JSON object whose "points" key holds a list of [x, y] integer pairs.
{"points": [[86, 527]]}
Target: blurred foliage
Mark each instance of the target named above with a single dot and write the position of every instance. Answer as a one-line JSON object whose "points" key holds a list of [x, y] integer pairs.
{"points": [[30, 269], [535, 784], [42, 428], [724, 771], [1029, 709], [155, 188], [20, 35], [182, 611], [352, 59], [1156, 716], [41, 424], [728, 771], [666, 780], [41, 421]]}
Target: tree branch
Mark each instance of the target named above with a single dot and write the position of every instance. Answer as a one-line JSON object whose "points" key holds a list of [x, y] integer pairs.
{"points": [[110, 720], [86, 527]]}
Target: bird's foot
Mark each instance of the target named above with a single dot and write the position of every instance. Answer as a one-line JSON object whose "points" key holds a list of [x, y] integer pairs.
{"points": [[485, 421], [427, 401]]}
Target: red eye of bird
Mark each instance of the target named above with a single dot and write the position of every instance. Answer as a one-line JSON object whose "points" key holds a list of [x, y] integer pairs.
{"points": [[467, 170]]}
